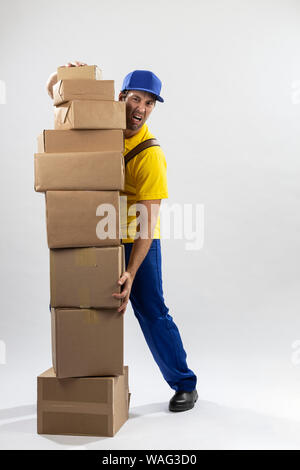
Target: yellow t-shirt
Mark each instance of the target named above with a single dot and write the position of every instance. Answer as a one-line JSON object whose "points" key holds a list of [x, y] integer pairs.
{"points": [[145, 178]]}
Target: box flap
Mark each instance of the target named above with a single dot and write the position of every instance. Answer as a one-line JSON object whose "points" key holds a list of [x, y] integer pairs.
{"points": [[64, 112], [61, 112]]}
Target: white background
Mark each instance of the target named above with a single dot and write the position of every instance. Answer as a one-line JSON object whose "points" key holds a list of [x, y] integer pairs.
{"points": [[229, 128]]}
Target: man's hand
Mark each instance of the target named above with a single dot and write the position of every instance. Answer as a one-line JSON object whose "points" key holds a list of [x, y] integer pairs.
{"points": [[52, 80], [148, 219], [126, 281], [50, 84]]}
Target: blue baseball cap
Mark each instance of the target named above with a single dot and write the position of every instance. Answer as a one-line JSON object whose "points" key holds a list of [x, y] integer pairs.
{"points": [[143, 80]]}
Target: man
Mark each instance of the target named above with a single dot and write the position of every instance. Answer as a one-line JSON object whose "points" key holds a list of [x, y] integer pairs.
{"points": [[145, 186]]}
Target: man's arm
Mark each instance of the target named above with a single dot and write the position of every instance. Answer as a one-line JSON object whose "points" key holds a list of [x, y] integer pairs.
{"points": [[139, 250]]}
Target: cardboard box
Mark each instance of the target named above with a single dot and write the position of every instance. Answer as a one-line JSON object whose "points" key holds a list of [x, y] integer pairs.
{"points": [[85, 406], [86, 277], [87, 342], [52, 141], [79, 171], [90, 115], [81, 218], [84, 72], [68, 90]]}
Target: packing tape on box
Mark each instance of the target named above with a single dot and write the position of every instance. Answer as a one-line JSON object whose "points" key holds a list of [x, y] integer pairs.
{"points": [[85, 257], [75, 407], [92, 317]]}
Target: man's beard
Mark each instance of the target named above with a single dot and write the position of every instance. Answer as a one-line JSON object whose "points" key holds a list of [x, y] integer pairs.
{"points": [[133, 127]]}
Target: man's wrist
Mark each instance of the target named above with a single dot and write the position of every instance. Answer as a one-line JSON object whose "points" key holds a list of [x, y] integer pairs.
{"points": [[131, 270]]}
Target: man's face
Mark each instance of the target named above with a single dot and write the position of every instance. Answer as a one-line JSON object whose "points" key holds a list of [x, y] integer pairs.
{"points": [[139, 105]]}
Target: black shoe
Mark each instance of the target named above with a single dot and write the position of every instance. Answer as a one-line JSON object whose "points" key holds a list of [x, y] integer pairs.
{"points": [[183, 401]]}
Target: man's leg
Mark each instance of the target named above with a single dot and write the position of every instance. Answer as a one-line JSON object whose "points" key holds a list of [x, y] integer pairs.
{"points": [[159, 329]]}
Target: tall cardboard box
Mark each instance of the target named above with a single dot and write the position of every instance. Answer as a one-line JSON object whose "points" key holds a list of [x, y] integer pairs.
{"points": [[86, 277], [90, 115], [85, 406], [69, 90], [87, 342], [96, 140], [85, 72], [82, 218]]}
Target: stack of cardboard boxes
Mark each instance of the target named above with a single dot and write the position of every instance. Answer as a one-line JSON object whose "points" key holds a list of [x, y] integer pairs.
{"points": [[80, 168]]}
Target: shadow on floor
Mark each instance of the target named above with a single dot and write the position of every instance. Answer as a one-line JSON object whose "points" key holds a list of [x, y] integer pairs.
{"points": [[151, 408], [24, 423], [208, 425], [17, 412]]}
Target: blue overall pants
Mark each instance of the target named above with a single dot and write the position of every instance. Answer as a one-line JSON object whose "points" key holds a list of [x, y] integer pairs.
{"points": [[159, 329]]}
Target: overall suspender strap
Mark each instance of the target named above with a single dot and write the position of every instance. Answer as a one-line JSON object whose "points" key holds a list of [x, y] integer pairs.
{"points": [[139, 148]]}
